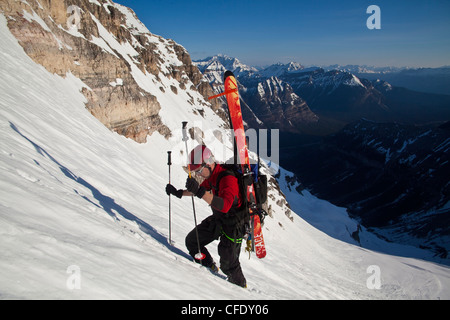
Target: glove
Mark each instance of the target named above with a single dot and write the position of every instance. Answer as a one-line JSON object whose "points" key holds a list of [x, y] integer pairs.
{"points": [[170, 189], [193, 187]]}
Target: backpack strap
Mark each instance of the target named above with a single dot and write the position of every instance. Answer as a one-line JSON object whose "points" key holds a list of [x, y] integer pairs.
{"points": [[225, 173]]}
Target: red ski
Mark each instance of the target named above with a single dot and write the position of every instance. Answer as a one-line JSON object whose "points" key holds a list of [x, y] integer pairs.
{"points": [[234, 107]]}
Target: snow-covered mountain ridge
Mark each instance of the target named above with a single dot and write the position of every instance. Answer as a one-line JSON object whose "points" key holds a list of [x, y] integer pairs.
{"points": [[222, 62], [268, 101], [84, 213]]}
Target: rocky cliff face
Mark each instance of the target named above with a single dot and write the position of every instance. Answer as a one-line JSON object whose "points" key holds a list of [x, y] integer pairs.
{"points": [[114, 54]]}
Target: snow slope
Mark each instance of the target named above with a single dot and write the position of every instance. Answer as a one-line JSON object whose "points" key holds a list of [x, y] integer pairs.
{"points": [[78, 202]]}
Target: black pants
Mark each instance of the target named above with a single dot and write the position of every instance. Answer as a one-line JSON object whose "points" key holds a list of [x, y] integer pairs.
{"points": [[212, 229]]}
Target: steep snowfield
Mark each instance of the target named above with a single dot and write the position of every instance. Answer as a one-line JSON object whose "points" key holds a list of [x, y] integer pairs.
{"points": [[78, 202]]}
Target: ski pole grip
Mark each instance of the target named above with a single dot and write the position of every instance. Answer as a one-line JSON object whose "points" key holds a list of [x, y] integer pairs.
{"points": [[169, 158]]}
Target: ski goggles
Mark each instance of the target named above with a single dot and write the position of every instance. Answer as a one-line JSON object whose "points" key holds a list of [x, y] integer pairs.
{"points": [[199, 169]]}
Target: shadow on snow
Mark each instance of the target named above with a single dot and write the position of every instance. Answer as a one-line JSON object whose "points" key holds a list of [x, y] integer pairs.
{"points": [[106, 203]]}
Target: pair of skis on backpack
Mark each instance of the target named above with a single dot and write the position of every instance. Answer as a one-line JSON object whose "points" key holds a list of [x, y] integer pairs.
{"points": [[255, 239]]}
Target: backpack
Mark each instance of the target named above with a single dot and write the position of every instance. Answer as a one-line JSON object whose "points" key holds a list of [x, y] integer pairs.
{"points": [[241, 215]]}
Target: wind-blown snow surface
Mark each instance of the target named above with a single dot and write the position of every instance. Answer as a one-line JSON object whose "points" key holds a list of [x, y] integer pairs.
{"points": [[75, 196]]}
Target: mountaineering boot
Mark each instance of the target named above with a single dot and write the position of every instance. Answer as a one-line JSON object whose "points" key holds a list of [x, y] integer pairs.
{"points": [[214, 268], [236, 277]]}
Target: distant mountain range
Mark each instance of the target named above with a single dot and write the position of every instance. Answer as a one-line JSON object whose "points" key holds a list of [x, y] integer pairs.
{"points": [[430, 80], [321, 101]]}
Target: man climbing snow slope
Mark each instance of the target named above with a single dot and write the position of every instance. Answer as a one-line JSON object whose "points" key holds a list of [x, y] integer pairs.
{"points": [[220, 190]]}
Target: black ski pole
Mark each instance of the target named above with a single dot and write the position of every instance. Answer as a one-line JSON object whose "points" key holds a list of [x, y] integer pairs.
{"points": [[169, 163], [199, 255]]}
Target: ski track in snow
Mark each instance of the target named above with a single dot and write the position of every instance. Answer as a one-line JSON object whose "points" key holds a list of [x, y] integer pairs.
{"points": [[75, 195]]}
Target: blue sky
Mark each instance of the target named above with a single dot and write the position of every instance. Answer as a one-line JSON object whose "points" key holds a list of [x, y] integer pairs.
{"points": [[314, 32]]}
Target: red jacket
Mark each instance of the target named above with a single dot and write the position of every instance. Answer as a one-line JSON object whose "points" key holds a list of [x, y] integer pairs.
{"points": [[228, 193]]}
